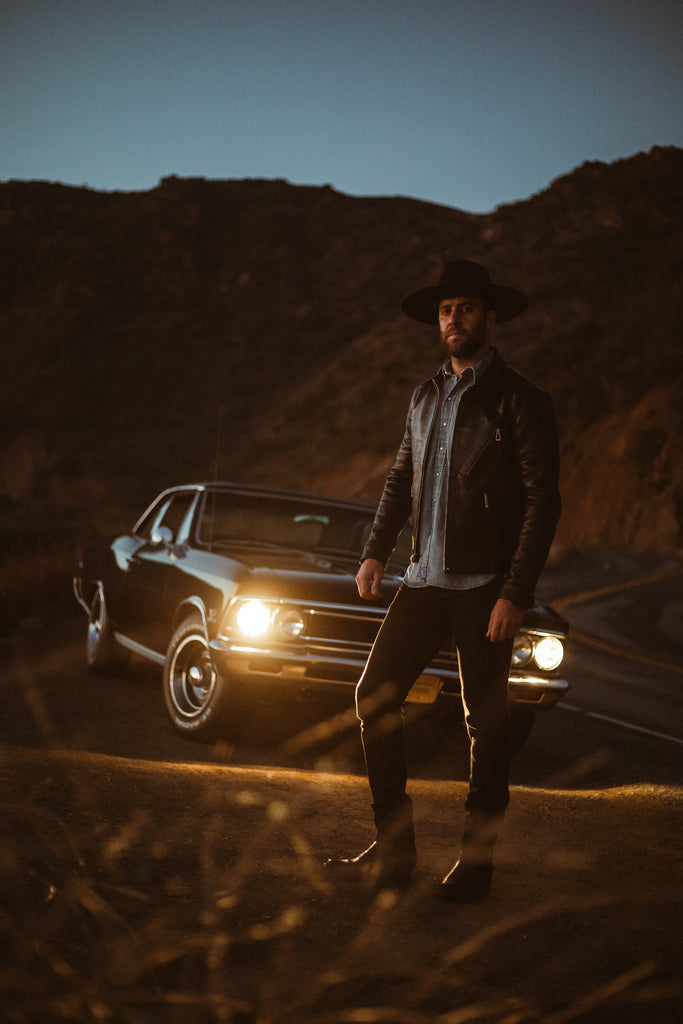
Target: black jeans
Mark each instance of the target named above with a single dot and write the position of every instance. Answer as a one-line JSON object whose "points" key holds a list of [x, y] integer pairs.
{"points": [[419, 623]]}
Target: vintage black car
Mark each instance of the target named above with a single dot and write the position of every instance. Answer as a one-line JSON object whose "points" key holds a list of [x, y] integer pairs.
{"points": [[237, 591]]}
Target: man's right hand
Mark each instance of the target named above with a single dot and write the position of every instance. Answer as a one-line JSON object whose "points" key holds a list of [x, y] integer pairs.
{"points": [[369, 577]]}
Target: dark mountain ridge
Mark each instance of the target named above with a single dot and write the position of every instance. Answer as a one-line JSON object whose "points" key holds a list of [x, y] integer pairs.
{"points": [[252, 329]]}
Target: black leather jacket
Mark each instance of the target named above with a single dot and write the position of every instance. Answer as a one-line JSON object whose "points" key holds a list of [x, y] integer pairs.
{"points": [[503, 496]]}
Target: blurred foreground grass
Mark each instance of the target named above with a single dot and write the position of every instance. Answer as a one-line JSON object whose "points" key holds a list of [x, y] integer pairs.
{"points": [[142, 892]]}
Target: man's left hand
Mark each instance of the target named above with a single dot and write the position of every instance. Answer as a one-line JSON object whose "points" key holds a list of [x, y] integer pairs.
{"points": [[506, 618]]}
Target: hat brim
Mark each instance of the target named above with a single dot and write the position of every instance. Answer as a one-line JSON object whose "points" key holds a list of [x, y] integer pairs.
{"points": [[422, 305]]}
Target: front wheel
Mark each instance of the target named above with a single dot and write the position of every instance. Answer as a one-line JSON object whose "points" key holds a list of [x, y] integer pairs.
{"points": [[201, 703], [103, 653]]}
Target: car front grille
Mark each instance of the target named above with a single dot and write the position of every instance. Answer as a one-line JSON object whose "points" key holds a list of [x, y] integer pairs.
{"points": [[332, 626], [339, 630]]}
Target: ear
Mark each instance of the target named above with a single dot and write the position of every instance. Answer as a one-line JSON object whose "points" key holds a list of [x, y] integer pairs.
{"points": [[491, 319]]}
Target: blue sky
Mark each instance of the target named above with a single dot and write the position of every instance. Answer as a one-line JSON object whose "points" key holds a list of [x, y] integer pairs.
{"points": [[470, 103]]}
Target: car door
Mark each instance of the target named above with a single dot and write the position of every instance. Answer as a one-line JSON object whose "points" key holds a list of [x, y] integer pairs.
{"points": [[146, 588]]}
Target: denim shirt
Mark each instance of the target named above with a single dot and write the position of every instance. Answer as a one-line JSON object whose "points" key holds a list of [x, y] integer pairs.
{"points": [[428, 570]]}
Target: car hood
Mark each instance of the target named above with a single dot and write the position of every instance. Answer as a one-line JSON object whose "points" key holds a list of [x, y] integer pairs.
{"points": [[305, 576]]}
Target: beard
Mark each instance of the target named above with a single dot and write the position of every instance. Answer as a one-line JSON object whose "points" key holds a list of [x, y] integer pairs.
{"points": [[467, 343]]}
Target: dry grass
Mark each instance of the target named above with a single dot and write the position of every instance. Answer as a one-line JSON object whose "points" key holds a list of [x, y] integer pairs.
{"points": [[144, 892]]}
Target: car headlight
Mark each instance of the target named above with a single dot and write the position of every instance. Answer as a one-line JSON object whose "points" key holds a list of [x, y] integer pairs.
{"points": [[548, 653], [289, 622], [253, 618], [522, 651]]}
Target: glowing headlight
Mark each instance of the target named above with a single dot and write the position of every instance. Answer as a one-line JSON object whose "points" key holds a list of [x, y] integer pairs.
{"points": [[253, 618], [548, 653], [522, 651], [289, 622]]}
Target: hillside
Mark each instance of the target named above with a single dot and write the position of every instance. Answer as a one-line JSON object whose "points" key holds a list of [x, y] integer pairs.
{"points": [[251, 328]]}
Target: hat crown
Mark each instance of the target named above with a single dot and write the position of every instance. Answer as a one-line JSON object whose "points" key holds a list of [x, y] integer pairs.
{"points": [[466, 277]]}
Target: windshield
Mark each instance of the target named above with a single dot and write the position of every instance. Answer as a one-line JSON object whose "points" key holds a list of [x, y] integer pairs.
{"points": [[293, 522]]}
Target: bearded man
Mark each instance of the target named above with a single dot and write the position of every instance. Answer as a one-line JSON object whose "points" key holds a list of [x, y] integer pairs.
{"points": [[477, 473]]}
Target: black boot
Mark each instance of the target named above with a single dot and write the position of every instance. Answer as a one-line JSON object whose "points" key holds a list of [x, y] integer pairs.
{"points": [[470, 879], [466, 883], [388, 862]]}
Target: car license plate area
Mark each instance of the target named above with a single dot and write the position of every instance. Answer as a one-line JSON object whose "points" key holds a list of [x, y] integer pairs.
{"points": [[424, 690]]}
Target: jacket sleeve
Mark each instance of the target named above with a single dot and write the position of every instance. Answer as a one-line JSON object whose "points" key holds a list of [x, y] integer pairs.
{"points": [[395, 505], [538, 461]]}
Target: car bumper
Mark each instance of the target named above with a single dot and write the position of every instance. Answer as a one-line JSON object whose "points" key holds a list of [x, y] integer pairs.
{"points": [[330, 672]]}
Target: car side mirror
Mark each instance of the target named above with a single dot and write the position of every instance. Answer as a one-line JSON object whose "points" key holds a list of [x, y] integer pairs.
{"points": [[161, 535]]}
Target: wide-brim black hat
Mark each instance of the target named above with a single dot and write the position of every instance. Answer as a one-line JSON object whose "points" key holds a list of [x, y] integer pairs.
{"points": [[464, 277]]}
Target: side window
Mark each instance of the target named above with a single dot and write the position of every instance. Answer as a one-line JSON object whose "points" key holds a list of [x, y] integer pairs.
{"points": [[174, 515], [143, 529]]}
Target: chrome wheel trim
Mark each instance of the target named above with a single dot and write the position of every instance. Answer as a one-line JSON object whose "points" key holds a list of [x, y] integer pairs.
{"points": [[191, 677]]}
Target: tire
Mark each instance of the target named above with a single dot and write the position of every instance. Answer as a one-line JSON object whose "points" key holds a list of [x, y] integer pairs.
{"points": [[201, 704], [104, 655], [521, 723]]}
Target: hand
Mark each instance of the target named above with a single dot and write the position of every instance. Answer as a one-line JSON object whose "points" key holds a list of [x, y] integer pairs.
{"points": [[369, 577], [505, 620]]}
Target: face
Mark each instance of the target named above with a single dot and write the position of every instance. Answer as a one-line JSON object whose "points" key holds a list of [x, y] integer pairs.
{"points": [[465, 326]]}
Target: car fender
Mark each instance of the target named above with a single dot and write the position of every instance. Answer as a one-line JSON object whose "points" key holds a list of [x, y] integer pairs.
{"points": [[190, 606]]}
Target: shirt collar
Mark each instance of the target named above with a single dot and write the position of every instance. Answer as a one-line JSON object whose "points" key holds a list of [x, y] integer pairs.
{"points": [[476, 371]]}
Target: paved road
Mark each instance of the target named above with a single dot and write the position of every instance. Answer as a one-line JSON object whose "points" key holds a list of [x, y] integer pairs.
{"points": [[626, 656]]}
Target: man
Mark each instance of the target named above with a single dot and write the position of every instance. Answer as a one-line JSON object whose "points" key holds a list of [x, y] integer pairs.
{"points": [[477, 470]]}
